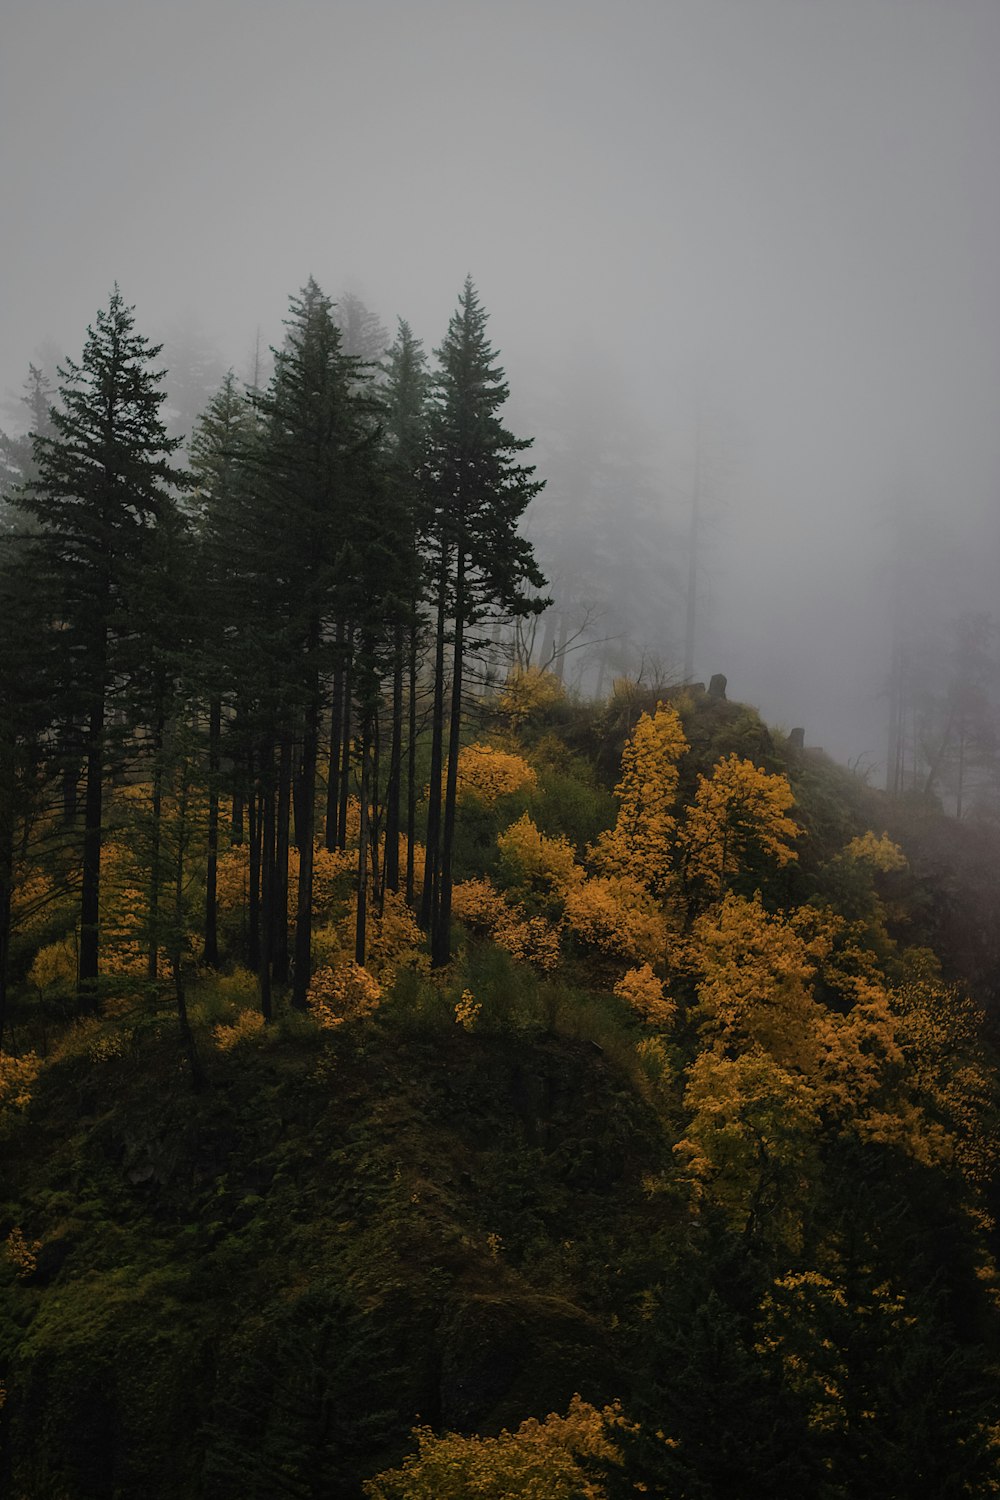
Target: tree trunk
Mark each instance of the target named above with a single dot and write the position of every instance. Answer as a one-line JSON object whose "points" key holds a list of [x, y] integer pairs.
{"points": [[305, 834], [266, 819], [210, 954], [392, 796], [153, 954], [279, 913], [336, 729], [361, 926], [429, 899], [90, 892], [345, 751], [441, 934], [253, 900], [411, 764]]}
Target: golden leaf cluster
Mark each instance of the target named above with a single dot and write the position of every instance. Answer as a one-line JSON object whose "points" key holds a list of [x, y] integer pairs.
{"points": [[346, 992], [487, 772], [540, 1460]]}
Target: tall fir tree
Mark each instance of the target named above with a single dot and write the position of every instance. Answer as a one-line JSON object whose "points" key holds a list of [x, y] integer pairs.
{"points": [[479, 491], [103, 487]]}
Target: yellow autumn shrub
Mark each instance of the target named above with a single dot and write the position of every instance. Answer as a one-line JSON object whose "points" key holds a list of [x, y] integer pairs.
{"points": [[535, 863], [347, 992], [248, 1027], [641, 843], [487, 772], [528, 692], [617, 915], [739, 812], [879, 852], [641, 989], [537, 1461]]}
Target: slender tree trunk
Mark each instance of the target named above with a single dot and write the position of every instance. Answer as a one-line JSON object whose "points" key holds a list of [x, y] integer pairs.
{"points": [[392, 796], [279, 913], [253, 901], [305, 831], [87, 988], [411, 763], [237, 834], [429, 899], [210, 953], [6, 890], [177, 942], [345, 749], [361, 927], [375, 812], [266, 818], [441, 933], [336, 729], [152, 957]]}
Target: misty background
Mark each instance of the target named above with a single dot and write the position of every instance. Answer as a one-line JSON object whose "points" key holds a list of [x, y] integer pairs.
{"points": [[747, 249]]}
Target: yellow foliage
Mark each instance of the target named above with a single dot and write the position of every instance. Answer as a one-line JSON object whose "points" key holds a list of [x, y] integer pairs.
{"points": [[881, 853], [478, 904], [481, 907], [531, 940], [55, 965], [538, 1461], [756, 971], [751, 1141], [738, 812], [536, 863], [467, 1010], [393, 937], [32, 896], [345, 993], [617, 915], [529, 691], [248, 1027], [939, 1032], [644, 992], [17, 1074], [22, 1254], [486, 772], [641, 842]]}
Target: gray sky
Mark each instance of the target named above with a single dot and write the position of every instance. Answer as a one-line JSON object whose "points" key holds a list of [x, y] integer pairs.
{"points": [[787, 211]]}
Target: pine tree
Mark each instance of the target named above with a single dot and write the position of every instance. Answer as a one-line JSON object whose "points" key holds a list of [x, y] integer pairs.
{"points": [[479, 492], [102, 489], [403, 414]]}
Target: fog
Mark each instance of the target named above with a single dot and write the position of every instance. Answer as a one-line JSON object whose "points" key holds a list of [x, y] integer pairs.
{"points": [[756, 238]]}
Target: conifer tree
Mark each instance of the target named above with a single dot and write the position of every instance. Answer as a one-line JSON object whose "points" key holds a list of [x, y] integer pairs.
{"points": [[403, 415], [478, 491], [103, 487]]}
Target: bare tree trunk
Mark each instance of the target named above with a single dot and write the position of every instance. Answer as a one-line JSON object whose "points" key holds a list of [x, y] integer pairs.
{"points": [[361, 927], [411, 764], [279, 915], [210, 953], [336, 730], [429, 899], [392, 796], [441, 932], [305, 829]]}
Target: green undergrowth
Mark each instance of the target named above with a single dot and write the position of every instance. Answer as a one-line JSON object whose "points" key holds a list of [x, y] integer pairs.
{"points": [[259, 1289]]}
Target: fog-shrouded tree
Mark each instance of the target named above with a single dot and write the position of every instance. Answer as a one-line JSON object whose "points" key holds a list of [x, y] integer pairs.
{"points": [[403, 411], [478, 491], [220, 452], [318, 433], [103, 487]]}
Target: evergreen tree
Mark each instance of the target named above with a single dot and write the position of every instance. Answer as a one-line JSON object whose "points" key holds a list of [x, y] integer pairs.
{"points": [[403, 415], [478, 491], [319, 429], [102, 490]]}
